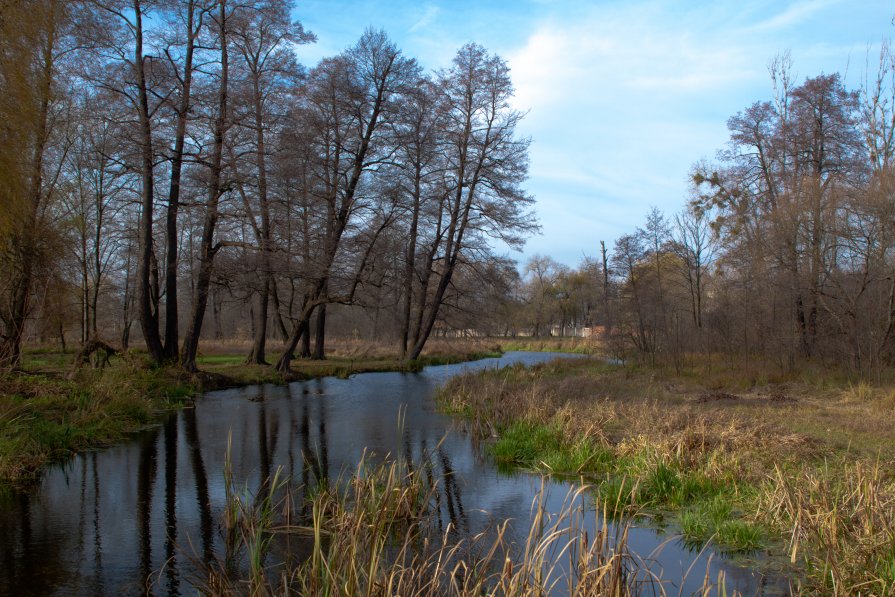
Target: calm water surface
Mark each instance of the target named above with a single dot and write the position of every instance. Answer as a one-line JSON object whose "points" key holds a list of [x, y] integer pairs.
{"points": [[104, 522]]}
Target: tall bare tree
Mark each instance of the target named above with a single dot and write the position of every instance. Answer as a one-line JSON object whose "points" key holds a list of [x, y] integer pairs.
{"points": [[487, 164], [347, 98], [264, 38], [208, 247]]}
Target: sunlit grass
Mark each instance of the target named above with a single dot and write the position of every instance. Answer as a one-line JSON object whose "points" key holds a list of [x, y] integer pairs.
{"points": [[739, 458]]}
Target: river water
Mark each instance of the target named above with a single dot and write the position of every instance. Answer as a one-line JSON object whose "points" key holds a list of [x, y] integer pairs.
{"points": [[106, 521]]}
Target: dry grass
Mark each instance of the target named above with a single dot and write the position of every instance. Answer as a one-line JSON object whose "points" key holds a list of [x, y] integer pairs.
{"points": [[223, 361], [592, 345], [375, 534], [361, 349], [841, 524], [803, 457]]}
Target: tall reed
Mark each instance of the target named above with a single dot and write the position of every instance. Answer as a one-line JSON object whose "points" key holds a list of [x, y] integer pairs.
{"points": [[377, 533], [841, 521]]}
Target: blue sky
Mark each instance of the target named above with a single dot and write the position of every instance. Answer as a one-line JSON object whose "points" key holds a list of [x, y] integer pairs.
{"points": [[622, 96]]}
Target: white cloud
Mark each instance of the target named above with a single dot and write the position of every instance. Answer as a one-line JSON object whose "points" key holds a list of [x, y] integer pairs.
{"points": [[427, 19], [796, 14], [624, 98]]}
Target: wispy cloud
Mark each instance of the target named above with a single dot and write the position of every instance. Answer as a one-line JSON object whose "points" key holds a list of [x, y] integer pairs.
{"points": [[427, 19], [624, 98], [796, 14]]}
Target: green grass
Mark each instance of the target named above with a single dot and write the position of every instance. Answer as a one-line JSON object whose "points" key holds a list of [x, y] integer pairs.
{"points": [[701, 498], [714, 519], [46, 418], [525, 444], [544, 448], [626, 484]]}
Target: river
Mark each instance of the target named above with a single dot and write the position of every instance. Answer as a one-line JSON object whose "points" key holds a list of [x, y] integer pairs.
{"points": [[105, 521]]}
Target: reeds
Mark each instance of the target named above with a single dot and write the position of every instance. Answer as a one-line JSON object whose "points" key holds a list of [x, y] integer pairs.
{"points": [[377, 533], [803, 460], [841, 523]]}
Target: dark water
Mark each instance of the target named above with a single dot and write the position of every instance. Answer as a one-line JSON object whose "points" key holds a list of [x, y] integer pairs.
{"points": [[105, 522]]}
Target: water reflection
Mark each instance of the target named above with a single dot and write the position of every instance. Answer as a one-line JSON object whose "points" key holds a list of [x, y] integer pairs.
{"points": [[145, 482], [200, 483], [76, 532], [451, 491], [170, 432]]}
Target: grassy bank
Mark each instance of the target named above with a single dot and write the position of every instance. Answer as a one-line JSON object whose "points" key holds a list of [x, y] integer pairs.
{"points": [[800, 464], [46, 414]]}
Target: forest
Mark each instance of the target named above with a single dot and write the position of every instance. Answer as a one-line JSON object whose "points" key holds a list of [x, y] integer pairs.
{"points": [[170, 167], [172, 172]]}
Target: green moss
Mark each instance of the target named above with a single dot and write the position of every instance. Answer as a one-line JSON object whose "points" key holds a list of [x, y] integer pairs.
{"points": [[221, 359]]}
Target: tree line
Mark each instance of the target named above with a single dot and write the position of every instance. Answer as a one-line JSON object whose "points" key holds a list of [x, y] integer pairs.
{"points": [[784, 251], [162, 158]]}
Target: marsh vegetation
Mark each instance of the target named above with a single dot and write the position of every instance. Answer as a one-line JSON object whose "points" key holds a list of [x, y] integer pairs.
{"points": [[795, 463]]}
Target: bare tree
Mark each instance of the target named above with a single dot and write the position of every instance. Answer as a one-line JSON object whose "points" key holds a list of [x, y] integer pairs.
{"points": [[208, 246], [347, 97], [693, 243], [264, 38], [487, 163]]}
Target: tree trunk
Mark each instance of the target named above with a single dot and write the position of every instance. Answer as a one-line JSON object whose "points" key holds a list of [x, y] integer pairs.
{"points": [[208, 249], [300, 331], [320, 336], [607, 321], [305, 352], [452, 253], [410, 265], [149, 322], [260, 336], [259, 326], [171, 308]]}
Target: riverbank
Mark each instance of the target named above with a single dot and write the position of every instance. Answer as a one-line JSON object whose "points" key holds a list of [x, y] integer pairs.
{"points": [[46, 414], [799, 465]]}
